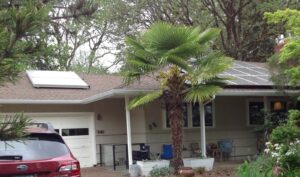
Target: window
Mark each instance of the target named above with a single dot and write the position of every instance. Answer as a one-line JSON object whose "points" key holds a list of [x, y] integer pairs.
{"points": [[196, 115], [35, 147], [191, 116], [255, 112], [279, 112], [255, 108], [185, 116], [75, 132]]}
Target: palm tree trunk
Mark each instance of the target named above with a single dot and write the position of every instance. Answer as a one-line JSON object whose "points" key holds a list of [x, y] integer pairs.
{"points": [[176, 121], [174, 105]]}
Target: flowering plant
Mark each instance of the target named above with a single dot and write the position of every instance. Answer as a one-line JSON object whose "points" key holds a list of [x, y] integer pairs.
{"points": [[286, 155]]}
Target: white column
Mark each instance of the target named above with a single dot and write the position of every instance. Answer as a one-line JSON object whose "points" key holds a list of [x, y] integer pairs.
{"points": [[128, 128], [203, 136]]}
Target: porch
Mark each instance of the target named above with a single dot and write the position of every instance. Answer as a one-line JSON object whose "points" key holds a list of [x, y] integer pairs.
{"points": [[228, 118]]}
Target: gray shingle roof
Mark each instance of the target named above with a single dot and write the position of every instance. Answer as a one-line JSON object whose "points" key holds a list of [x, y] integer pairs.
{"points": [[245, 74]]}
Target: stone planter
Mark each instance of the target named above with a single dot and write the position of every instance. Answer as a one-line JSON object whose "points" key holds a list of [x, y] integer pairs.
{"points": [[148, 165], [207, 163]]}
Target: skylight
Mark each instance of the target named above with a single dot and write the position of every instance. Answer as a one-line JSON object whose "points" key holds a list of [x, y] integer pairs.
{"points": [[56, 79]]}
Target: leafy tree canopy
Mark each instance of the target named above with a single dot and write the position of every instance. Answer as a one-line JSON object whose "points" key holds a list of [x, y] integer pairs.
{"points": [[17, 24], [289, 57]]}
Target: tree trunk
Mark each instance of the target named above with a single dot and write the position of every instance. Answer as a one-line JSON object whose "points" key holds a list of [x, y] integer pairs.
{"points": [[175, 107], [176, 121]]}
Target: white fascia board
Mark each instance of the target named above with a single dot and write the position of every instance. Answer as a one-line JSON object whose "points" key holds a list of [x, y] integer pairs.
{"points": [[26, 101], [258, 92], [114, 92], [94, 98]]}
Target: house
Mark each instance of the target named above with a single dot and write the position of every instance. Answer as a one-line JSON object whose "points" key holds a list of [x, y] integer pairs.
{"points": [[95, 112]]}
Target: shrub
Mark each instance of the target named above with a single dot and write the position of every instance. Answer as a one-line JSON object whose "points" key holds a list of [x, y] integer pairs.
{"points": [[261, 167], [285, 155], [282, 153], [160, 172]]}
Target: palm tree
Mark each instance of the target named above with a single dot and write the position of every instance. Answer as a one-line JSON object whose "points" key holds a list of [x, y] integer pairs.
{"points": [[13, 127], [180, 58]]}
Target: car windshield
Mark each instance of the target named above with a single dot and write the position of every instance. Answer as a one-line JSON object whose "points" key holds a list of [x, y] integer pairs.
{"points": [[34, 147]]}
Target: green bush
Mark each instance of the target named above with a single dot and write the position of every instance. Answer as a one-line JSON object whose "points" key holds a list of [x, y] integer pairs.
{"points": [[282, 153], [293, 173], [261, 167], [160, 172]]}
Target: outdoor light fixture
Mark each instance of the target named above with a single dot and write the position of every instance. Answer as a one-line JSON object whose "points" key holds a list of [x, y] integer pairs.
{"points": [[278, 106]]}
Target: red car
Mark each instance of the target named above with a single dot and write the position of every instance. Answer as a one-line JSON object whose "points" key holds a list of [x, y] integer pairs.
{"points": [[42, 153]]}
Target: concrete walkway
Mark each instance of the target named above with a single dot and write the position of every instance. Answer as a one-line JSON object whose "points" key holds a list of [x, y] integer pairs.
{"points": [[101, 172]]}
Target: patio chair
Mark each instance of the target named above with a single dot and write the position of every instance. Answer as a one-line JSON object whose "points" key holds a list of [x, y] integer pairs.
{"points": [[225, 147], [195, 150], [213, 151], [142, 154], [167, 152]]}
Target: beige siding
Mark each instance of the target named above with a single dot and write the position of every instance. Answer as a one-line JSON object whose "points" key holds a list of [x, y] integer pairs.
{"points": [[230, 122]]}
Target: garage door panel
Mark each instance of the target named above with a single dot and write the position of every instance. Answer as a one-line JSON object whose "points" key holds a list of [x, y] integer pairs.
{"points": [[80, 145]]}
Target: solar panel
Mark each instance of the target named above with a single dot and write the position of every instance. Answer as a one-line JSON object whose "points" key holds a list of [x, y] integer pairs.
{"points": [[56, 79], [244, 73]]}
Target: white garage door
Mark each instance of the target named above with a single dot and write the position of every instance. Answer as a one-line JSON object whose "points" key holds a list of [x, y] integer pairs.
{"points": [[77, 129]]}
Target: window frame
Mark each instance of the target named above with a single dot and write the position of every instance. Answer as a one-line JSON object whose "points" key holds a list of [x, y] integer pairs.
{"points": [[248, 111], [62, 132], [268, 104], [190, 117]]}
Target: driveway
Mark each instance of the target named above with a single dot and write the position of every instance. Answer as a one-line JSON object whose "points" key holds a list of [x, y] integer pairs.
{"points": [[101, 172]]}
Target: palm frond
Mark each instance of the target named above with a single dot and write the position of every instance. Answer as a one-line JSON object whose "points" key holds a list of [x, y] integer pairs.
{"points": [[131, 76], [178, 61], [218, 81], [144, 99], [162, 37], [13, 127], [140, 62], [208, 35], [210, 66], [201, 93], [134, 43], [186, 50]]}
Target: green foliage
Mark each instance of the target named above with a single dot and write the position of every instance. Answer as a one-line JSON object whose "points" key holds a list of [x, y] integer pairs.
{"points": [[282, 153], [160, 172], [288, 132], [261, 167], [144, 99], [165, 45], [292, 173], [18, 25], [288, 58], [13, 127]]}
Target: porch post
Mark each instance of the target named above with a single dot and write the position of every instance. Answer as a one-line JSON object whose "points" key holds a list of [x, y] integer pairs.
{"points": [[203, 136], [266, 107], [128, 128]]}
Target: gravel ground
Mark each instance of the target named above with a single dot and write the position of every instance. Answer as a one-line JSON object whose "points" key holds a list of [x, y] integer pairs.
{"points": [[226, 169]]}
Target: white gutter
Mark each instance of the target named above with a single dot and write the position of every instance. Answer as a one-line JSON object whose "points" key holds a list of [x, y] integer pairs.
{"points": [[97, 97], [28, 101], [113, 92], [122, 92], [258, 92]]}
